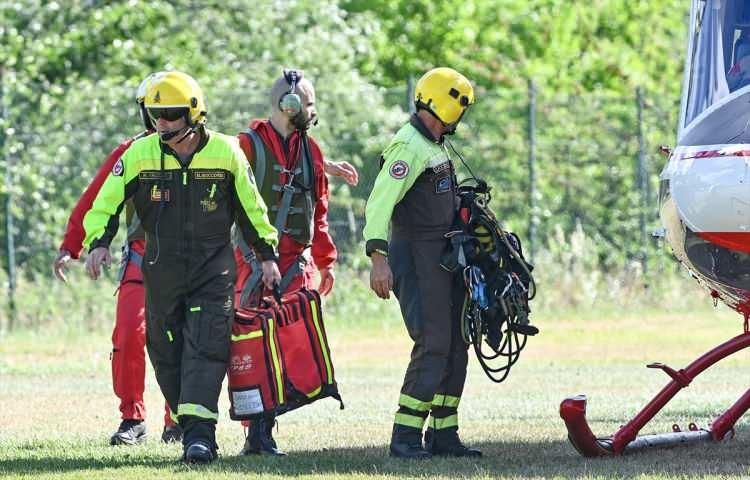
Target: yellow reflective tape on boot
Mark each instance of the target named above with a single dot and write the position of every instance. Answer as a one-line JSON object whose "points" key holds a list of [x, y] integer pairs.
{"points": [[407, 401], [195, 309], [247, 336], [447, 422], [329, 370], [409, 420], [276, 363], [196, 410], [445, 401]]}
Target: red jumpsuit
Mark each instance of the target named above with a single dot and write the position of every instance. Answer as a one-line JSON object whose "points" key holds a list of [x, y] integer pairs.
{"points": [[129, 335], [323, 249]]}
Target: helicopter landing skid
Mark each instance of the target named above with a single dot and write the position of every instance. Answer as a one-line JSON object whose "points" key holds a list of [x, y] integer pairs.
{"points": [[626, 439]]}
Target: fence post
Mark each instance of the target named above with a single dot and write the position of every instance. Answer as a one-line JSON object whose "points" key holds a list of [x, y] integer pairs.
{"points": [[351, 221], [641, 182], [533, 207], [9, 245], [410, 83]]}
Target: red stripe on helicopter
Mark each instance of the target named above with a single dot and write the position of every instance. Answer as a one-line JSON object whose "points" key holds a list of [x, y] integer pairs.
{"points": [[739, 241], [714, 154]]}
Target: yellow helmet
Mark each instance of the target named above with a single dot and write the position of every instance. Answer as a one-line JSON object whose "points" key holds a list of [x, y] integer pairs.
{"points": [[445, 93], [140, 93], [140, 97], [176, 90]]}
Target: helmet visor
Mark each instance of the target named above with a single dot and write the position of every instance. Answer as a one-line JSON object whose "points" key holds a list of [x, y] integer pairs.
{"points": [[168, 114]]}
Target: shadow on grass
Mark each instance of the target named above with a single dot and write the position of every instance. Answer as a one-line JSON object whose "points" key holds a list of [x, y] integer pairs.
{"points": [[519, 460], [52, 462]]}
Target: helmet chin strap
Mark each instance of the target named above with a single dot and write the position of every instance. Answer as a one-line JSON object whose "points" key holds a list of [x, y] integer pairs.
{"points": [[188, 132], [189, 128], [167, 136]]}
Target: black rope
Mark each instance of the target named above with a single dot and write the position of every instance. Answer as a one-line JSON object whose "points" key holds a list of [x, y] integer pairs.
{"points": [[498, 330]]}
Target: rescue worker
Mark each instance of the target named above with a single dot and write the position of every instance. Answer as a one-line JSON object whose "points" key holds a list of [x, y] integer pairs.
{"points": [[416, 192], [128, 357], [282, 154], [189, 185]]}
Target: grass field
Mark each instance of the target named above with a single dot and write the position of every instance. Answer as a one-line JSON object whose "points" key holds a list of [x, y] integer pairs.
{"points": [[57, 410]]}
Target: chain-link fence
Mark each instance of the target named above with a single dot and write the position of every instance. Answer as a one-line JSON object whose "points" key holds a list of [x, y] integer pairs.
{"points": [[553, 160], [590, 159]]}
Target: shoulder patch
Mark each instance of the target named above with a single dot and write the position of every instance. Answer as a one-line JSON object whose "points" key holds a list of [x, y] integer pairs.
{"points": [[117, 168], [399, 169]]}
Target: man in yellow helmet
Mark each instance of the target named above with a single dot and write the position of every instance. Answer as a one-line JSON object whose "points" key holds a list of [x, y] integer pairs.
{"points": [[129, 335], [188, 185], [415, 192]]}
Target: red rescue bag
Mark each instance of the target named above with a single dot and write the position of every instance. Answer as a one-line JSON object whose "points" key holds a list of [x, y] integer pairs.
{"points": [[280, 359]]}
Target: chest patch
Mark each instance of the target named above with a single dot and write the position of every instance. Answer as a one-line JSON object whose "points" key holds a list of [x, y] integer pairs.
{"points": [[442, 167], [156, 194], [399, 170], [211, 175], [209, 205], [443, 185], [154, 175]]}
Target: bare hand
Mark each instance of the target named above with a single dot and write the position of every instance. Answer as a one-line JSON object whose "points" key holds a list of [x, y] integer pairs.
{"points": [[326, 281], [344, 170], [381, 277], [58, 266], [271, 275], [98, 256]]}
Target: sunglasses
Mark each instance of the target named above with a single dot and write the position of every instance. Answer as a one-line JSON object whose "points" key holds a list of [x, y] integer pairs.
{"points": [[168, 114]]}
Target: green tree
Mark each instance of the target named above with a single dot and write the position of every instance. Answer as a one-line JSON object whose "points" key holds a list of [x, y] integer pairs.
{"points": [[587, 59], [71, 70]]}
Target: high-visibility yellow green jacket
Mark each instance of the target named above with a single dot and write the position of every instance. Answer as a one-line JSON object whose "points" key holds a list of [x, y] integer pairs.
{"points": [[189, 207], [415, 191]]}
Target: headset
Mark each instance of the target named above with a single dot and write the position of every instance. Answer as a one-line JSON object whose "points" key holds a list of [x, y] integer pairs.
{"points": [[291, 103]]}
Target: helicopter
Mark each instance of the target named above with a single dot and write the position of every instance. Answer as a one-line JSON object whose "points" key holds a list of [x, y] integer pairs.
{"points": [[704, 207]]}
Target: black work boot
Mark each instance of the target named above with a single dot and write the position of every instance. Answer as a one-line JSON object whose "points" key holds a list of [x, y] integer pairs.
{"points": [[406, 442], [446, 442], [130, 432], [171, 434], [199, 451], [260, 440], [198, 440]]}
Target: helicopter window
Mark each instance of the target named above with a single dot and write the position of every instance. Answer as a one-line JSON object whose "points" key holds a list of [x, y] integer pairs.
{"points": [[716, 263], [720, 53]]}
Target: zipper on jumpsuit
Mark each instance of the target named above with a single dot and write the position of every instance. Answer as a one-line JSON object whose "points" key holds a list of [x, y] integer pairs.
{"points": [[186, 239]]}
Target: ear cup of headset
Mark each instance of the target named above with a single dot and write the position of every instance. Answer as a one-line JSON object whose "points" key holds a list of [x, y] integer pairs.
{"points": [[291, 103]]}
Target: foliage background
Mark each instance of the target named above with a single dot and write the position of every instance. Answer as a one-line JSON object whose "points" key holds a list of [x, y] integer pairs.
{"points": [[70, 69]]}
